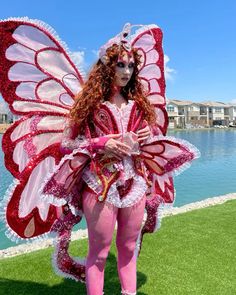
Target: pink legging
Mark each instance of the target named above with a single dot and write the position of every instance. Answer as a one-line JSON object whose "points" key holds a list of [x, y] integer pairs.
{"points": [[101, 220]]}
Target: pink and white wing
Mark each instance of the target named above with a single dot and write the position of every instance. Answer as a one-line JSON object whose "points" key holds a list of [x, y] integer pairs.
{"points": [[38, 80], [148, 41], [164, 157]]}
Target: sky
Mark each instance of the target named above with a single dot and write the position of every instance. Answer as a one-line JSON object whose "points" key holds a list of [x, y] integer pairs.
{"points": [[199, 37]]}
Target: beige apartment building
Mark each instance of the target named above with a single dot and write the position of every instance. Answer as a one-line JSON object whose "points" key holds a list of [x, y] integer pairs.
{"points": [[5, 115], [232, 113], [184, 114]]}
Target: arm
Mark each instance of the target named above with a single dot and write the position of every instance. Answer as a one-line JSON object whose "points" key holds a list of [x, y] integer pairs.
{"points": [[72, 140]]}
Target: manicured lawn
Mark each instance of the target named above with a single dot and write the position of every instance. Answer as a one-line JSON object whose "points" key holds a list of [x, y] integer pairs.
{"points": [[192, 253]]}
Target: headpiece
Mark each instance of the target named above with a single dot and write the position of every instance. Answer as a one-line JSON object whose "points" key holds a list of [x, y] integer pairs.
{"points": [[121, 39]]}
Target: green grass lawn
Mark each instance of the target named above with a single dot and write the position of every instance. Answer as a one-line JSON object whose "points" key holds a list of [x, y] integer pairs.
{"points": [[192, 253]]}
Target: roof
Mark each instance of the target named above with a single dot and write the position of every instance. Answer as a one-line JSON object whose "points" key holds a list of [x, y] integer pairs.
{"points": [[232, 104], [214, 104], [181, 102], [204, 103]]}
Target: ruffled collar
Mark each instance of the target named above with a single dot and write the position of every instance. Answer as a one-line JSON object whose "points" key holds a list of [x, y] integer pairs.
{"points": [[123, 105], [121, 115]]}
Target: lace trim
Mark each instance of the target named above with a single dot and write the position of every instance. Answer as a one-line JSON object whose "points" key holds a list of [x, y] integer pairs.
{"points": [[136, 193], [90, 178], [128, 167], [121, 115], [70, 144]]}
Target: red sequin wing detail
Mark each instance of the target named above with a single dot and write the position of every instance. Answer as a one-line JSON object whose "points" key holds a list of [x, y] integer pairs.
{"points": [[164, 157], [148, 41], [167, 155], [26, 214], [26, 138], [38, 80]]}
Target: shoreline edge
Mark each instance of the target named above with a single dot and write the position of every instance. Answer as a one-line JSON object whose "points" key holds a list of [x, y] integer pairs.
{"points": [[83, 233]]}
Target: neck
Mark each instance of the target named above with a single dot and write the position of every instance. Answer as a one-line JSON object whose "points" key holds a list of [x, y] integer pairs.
{"points": [[115, 90], [118, 99]]}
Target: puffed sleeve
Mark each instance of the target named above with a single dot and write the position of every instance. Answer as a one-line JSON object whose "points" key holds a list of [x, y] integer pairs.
{"points": [[72, 140]]}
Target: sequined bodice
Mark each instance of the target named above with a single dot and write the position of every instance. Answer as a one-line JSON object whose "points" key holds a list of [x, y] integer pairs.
{"points": [[126, 166]]}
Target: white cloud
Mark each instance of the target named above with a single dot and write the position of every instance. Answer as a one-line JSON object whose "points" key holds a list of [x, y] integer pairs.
{"points": [[84, 58], [233, 101], [95, 52], [79, 58], [168, 71]]}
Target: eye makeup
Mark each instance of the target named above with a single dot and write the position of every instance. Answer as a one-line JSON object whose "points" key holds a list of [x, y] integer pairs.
{"points": [[121, 64]]}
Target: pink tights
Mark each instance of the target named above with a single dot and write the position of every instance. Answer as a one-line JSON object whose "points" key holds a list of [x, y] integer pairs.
{"points": [[101, 221]]}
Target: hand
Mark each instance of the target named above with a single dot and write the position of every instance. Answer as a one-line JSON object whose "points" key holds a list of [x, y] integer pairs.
{"points": [[116, 147], [144, 133]]}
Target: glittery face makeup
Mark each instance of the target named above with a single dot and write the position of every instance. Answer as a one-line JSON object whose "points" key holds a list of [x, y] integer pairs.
{"points": [[124, 69]]}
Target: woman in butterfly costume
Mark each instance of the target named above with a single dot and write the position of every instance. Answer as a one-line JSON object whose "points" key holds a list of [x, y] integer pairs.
{"points": [[96, 148]]}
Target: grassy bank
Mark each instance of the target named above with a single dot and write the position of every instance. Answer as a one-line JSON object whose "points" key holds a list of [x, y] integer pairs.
{"points": [[192, 253]]}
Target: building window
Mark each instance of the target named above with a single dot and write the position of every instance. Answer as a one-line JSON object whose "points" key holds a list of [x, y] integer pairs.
{"points": [[203, 111], [170, 109], [218, 110], [234, 109]]}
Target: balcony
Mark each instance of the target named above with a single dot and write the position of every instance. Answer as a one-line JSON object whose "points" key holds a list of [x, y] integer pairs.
{"points": [[193, 113]]}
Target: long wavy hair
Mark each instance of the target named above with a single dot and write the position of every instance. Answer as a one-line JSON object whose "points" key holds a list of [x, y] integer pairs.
{"points": [[98, 88]]}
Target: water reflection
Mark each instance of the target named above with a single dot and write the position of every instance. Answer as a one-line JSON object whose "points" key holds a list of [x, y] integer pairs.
{"points": [[214, 173], [211, 143]]}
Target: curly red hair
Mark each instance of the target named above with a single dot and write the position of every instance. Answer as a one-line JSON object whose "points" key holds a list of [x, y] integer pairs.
{"points": [[98, 88]]}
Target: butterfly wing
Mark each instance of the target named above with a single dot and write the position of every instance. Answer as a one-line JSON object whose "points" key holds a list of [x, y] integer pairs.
{"points": [[148, 42], [163, 156], [38, 79]]}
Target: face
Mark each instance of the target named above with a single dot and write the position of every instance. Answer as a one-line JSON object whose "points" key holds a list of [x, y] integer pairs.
{"points": [[124, 69]]}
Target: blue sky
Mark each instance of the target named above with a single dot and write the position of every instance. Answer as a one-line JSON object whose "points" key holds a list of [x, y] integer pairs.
{"points": [[199, 37]]}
